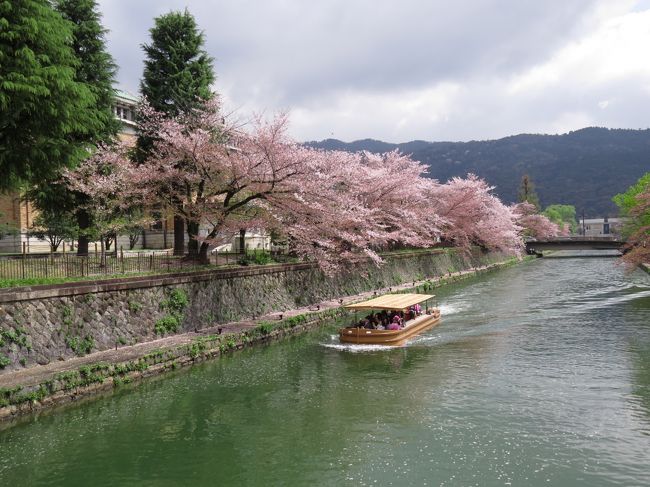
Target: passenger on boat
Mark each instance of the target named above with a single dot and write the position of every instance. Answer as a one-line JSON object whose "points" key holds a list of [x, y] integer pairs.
{"points": [[384, 318]]}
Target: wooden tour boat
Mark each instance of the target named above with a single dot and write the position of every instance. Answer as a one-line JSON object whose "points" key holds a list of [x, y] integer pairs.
{"points": [[391, 302]]}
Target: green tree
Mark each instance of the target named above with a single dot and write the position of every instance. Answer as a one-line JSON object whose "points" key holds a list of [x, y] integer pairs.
{"points": [[42, 104], [96, 69], [561, 214], [177, 76], [527, 192], [628, 200], [628, 203], [55, 227], [635, 207], [178, 72]]}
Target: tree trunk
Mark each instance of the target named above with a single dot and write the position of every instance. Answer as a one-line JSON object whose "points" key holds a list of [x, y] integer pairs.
{"points": [[193, 244], [179, 235], [203, 253], [242, 241], [83, 220], [102, 263]]}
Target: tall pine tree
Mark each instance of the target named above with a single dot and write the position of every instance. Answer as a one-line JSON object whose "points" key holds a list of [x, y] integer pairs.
{"points": [[177, 76], [95, 70], [42, 104], [527, 192]]}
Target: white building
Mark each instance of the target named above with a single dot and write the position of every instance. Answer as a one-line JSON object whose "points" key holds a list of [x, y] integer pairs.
{"points": [[600, 227]]}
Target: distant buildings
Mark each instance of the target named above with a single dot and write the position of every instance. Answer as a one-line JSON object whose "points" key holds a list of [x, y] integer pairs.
{"points": [[125, 111], [600, 227]]}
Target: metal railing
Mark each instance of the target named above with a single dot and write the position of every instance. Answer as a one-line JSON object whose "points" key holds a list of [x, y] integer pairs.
{"points": [[68, 265]]}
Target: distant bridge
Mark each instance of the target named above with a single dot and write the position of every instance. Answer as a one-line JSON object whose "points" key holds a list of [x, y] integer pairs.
{"points": [[534, 246]]}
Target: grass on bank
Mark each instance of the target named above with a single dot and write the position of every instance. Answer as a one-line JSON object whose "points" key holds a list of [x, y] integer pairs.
{"points": [[39, 281]]}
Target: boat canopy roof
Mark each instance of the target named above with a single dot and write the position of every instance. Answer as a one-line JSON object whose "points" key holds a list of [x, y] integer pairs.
{"points": [[391, 301]]}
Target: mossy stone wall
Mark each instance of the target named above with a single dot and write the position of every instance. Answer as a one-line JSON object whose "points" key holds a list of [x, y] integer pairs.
{"points": [[59, 322]]}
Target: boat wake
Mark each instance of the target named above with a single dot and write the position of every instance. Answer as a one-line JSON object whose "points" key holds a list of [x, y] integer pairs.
{"points": [[354, 347], [450, 309]]}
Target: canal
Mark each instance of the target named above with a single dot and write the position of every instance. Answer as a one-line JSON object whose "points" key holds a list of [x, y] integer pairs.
{"points": [[539, 374]]}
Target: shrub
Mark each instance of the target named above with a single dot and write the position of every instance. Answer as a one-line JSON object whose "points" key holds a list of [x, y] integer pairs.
{"points": [[265, 327], [176, 302], [80, 346], [4, 361], [167, 324], [261, 258]]}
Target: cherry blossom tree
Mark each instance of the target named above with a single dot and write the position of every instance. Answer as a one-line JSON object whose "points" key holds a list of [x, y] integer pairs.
{"points": [[534, 224], [637, 248], [357, 204], [334, 205], [634, 204], [472, 215], [111, 183]]}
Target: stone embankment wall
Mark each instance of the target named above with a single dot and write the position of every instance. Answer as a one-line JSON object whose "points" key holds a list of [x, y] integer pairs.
{"points": [[46, 323]]}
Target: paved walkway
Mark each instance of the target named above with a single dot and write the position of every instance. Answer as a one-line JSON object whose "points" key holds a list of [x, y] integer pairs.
{"points": [[39, 374]]}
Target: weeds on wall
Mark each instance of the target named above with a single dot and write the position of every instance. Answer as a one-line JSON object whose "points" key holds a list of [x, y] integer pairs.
{"points": [[167, 324], [14, 336], [175, 305], [80, 344], [134, 306]]}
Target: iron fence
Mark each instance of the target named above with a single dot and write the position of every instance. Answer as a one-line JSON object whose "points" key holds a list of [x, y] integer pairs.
{"points": [[68, 265]]}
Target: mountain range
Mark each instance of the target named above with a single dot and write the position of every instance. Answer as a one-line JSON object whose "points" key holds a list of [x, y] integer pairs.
{"points": [[583, 168]]}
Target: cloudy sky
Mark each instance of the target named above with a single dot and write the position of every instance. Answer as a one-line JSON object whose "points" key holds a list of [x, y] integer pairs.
{"points": [[398, 70]]}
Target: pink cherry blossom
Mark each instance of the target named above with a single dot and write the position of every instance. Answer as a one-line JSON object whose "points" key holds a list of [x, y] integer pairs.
{"points": [[333, 207], [474, 216], [534, 224]]}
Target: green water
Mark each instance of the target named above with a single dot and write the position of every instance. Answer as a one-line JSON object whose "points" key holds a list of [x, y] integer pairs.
{"points": [[538, 375]]}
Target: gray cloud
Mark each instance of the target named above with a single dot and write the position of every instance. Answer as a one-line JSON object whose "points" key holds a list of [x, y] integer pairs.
{"points": [[394, 70]]}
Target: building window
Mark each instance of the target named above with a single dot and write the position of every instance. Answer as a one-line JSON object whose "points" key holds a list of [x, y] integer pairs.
{"points": [[158, 220]]}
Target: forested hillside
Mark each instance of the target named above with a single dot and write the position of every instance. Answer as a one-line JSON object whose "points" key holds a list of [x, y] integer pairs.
{"points": [[584, 168]]}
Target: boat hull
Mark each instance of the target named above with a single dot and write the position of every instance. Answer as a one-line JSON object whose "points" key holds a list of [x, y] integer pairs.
{"points": [[389, 337]]}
